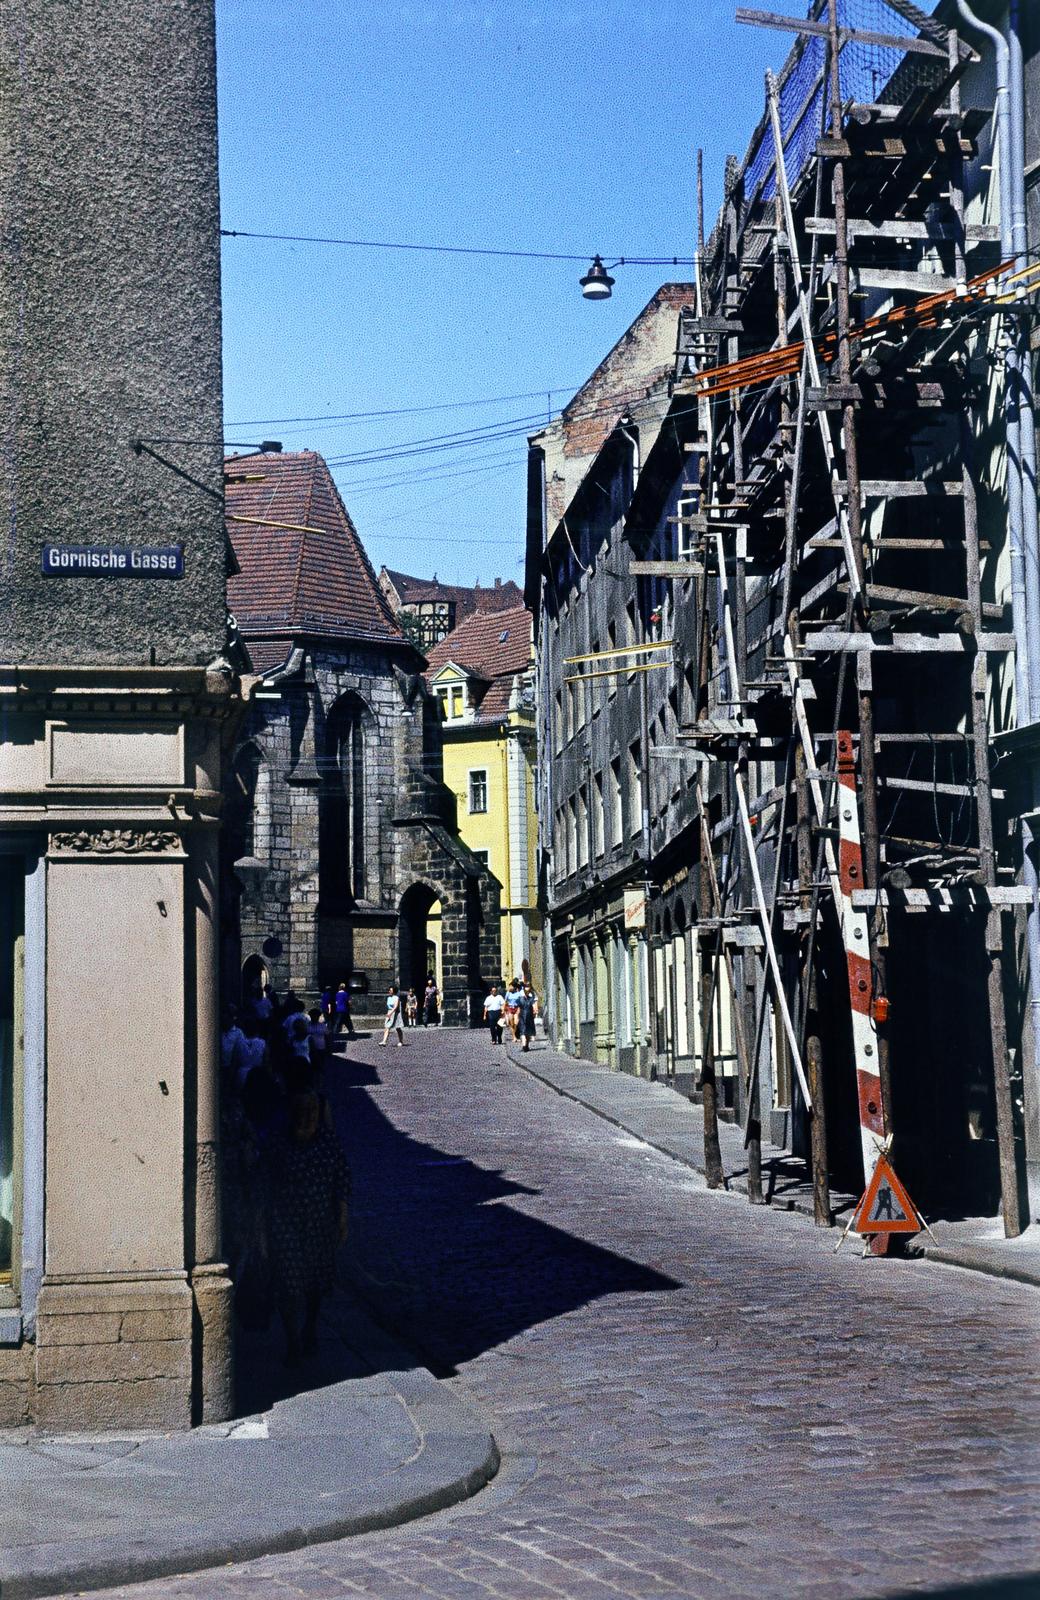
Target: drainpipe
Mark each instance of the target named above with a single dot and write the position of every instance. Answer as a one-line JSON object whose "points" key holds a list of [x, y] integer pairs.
{"points": [[1031, 530], [1027, 410], [1023, 696], [1021, 460]]}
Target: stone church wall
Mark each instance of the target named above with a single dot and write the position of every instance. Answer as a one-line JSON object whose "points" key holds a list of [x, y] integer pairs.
{"points": [[409, 837]]}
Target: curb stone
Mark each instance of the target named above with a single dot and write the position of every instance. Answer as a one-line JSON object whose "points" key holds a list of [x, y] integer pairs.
{"points": [[94, 1513], [574, 1081]]}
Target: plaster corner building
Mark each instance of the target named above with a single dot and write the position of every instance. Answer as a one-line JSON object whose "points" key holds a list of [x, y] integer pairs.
{"points": [[788, 619], [342, 846], [114, 687], [482, 676]]}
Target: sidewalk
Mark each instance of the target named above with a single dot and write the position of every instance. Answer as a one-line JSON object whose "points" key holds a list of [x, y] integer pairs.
{"points": [[675, 1126], [387, 1444]]}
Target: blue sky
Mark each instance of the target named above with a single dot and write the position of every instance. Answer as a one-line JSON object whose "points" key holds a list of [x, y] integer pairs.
{"points": [[565, 128]]}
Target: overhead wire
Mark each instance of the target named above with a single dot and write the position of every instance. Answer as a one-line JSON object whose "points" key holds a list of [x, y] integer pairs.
{"points": [[460, 249], [435, 474], [508, 428], [405, 411]]}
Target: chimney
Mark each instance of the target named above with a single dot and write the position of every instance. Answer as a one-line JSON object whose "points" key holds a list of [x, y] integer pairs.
{"points": [[498, 583]]}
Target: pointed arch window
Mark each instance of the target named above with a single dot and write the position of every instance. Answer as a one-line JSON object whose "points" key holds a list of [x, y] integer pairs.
{"points": [[342, 843], [248, 814]]}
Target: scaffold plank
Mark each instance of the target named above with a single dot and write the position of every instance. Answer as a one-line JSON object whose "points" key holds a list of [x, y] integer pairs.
{"points": [[912, 644]]}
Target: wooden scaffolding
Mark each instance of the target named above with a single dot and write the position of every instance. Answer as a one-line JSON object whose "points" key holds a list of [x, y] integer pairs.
{"points": [[843, 528]]}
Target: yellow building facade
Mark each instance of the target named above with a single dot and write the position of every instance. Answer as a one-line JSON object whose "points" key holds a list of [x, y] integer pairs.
{"points": [[482, 676]]}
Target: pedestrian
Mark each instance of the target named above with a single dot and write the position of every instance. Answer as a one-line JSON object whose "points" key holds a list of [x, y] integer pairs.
{"points": [[328, 996], [341, 1007], [318, 1032], [493, 1014], [393, 1017], [527, 1011], [232, 1040], [512, 1005], [251, 1053], [292, 1009], [299, 1033], [308, 1188], [430, 999]]}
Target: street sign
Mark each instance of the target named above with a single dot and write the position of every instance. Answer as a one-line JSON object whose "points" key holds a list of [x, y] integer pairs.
{"points": [[112, 561], [886, 1207]]}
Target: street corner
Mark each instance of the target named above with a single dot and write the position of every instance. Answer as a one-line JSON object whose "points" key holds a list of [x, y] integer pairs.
{"points": [[91, 1512]]}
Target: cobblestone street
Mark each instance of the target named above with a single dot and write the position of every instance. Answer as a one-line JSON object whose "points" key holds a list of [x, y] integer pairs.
{"points": [[691, 1398]]}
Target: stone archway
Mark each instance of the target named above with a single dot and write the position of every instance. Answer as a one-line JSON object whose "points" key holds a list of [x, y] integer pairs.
{"points": [[254, 977], [412, 942]]}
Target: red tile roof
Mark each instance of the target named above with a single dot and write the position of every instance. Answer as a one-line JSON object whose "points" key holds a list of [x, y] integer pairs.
{"points": [[413, 591], [266, 654], [303, 568], [495, 646]]}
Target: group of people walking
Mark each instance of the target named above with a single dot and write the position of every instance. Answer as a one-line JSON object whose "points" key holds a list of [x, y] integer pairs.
{"points": [[286, 1176], [515, 1009]]}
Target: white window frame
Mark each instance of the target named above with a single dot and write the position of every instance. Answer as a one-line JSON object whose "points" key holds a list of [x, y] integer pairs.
{"points": [[471, 789]]}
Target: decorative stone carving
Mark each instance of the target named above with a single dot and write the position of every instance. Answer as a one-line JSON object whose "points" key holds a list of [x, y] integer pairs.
{"points": [[116, 841]]}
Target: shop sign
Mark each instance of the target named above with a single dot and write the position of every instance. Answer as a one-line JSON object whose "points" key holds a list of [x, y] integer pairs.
{"points": [[112, 561], [635, 908]]}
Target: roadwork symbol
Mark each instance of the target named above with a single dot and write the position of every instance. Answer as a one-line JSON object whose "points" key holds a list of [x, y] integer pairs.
{"points": [[886, 1207]]}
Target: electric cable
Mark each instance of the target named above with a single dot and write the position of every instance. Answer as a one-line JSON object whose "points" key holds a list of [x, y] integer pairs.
{"points": [[407, 411], [459, 249]]}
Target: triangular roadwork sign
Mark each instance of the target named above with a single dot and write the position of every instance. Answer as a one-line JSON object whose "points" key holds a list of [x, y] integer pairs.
{"points": [[886, 1207]]}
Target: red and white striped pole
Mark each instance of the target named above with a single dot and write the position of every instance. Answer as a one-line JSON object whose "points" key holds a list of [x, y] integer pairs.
{"points": [[856, 935]]}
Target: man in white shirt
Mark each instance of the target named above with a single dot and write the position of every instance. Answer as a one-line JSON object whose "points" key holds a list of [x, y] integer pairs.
{"points": [[493, 1014]]}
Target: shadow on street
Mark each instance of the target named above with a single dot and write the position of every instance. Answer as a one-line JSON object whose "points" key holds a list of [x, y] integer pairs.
{"points": [[435, 1253]]}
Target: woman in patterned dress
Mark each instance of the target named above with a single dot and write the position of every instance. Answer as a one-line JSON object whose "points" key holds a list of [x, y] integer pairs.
{"points": [[308, 1190]]}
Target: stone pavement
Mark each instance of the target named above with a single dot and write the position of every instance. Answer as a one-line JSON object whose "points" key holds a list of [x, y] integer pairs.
{"points": [[672, 1124], [386, 1444], [692, 1398]]}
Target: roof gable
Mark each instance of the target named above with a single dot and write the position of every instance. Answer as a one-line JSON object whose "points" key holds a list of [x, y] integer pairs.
{"points": [[450, 671], [302, 566], [412, 591], [488, 644]]}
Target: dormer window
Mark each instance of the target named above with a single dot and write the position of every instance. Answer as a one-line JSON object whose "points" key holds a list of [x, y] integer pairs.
{"points": [[452, 697]]}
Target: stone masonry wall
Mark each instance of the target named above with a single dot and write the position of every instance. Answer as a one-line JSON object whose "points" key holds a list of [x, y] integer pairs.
{"points": [[409, 828], [109, 324]]}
